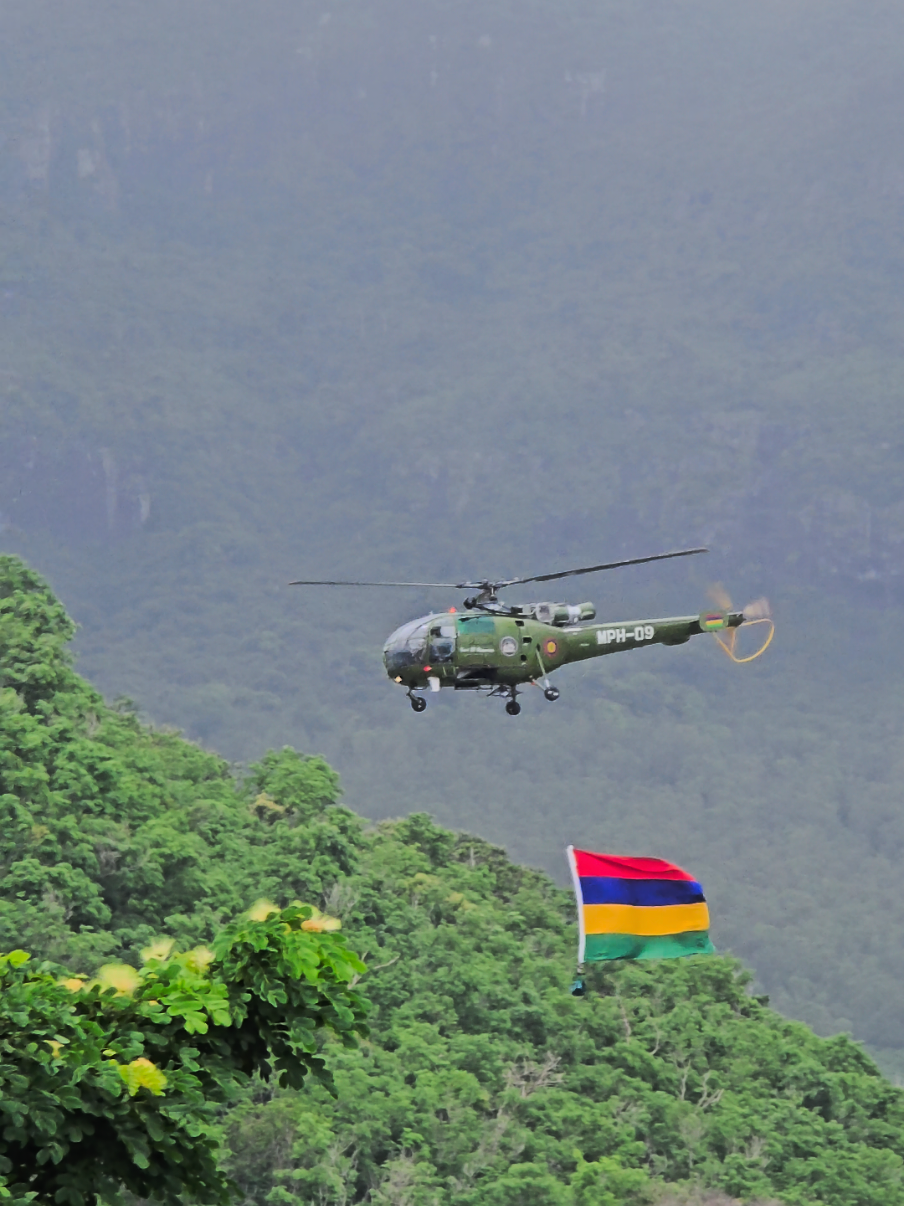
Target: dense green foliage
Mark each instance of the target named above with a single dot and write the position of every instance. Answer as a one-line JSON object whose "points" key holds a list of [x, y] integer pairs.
{"points": [[483, 1080], [106, 828], [486, 1082], [112, 1083]]}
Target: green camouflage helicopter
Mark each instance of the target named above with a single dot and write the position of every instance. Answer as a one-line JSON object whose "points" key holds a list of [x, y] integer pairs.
{"points": [[498, 647]]}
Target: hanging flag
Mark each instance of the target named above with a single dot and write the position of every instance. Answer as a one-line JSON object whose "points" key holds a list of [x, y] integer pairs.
{"points": [[637, 908]]}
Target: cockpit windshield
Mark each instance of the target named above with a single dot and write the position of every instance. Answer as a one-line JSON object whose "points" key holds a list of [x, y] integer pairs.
{"points": [[407, 646]]}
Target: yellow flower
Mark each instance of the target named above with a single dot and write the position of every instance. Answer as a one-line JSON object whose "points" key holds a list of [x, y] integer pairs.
{"points": [[142, 1074], [319, 923], [159, 949], [120, 976], [199, 959], [55, 1046], [267, 803], [74, 983], [261, 910]]}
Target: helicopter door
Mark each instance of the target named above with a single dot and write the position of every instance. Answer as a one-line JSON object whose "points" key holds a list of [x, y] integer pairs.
{"points": [[476, 640], [442, 641]]}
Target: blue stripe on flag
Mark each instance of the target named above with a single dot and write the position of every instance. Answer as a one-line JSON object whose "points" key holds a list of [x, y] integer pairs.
{"points": [[604, 889]]}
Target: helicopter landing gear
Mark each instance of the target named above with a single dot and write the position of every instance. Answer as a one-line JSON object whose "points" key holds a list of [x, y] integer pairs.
{"points": [[418, 703], [551, 693], [513, 707]]}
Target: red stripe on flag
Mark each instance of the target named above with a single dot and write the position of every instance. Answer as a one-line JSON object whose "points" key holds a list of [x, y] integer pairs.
{"points": [[626, 868]]}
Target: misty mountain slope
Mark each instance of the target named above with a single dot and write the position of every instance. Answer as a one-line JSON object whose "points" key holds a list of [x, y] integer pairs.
{"points": [[567, 241], [438, 291]]}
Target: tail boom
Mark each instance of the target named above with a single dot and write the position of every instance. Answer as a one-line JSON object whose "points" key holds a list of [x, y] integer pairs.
{"points": [[597, 640]]}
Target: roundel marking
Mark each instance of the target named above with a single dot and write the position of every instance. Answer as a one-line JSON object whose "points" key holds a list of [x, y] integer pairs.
{"points": [[551, 647]]}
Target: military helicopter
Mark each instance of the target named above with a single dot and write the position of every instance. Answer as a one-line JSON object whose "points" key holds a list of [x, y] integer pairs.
{"points": [[499, 647]]}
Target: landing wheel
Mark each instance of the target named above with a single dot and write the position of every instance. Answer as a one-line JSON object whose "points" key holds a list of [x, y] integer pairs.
{"points": [[552, 694], [418, 702], [513, 707]]}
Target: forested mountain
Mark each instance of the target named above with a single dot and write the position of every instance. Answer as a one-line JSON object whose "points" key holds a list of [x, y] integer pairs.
{"points": [[484, 1082], [431, 290]]}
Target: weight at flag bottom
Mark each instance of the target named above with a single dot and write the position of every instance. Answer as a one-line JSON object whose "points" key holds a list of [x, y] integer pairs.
{"points": [[637, 908]]}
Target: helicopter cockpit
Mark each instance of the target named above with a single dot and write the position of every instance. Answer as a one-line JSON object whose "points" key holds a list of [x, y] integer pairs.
{"points": [[407, 646], [429, 637]]}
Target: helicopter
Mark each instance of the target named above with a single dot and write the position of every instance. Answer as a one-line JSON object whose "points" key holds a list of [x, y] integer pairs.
{"points": [[498, 648]]}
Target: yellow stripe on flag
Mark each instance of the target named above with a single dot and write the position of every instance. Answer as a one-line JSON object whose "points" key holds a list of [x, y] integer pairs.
{"points": [[645, 920]]}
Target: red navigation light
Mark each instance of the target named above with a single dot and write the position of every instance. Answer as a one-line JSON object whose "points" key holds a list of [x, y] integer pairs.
{"points": [[427, 669]]}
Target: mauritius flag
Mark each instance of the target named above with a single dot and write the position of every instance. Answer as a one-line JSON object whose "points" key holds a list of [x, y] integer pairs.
{"points": [[637, 908]]}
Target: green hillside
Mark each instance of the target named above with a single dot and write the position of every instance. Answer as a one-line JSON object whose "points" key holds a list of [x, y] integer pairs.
{"points": [[484, 1081], [430, 290]]}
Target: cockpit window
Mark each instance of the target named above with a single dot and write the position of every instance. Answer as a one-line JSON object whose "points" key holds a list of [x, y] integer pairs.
{"points": [[442, 641], [399, 639], [407, 646]]}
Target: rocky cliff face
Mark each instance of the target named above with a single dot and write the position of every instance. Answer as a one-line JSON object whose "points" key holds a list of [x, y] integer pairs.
{"points": [[759, 515], [73, 490]]}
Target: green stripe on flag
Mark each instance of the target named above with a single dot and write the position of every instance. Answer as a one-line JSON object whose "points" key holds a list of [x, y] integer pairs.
{"points": [[631, 946]]}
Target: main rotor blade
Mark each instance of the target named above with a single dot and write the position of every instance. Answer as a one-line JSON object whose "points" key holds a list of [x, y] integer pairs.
{"points": [[329, 582], [486, 584], [592, 569]]}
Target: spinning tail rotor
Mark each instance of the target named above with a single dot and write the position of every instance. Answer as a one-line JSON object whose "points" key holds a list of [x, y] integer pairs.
{"points": [[757, 612]]}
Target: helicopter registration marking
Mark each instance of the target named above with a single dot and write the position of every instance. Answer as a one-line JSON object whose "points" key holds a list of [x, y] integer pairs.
{"points": [[643, 632]]}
